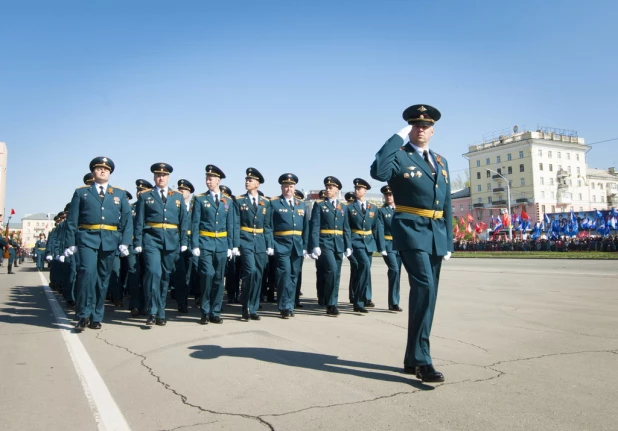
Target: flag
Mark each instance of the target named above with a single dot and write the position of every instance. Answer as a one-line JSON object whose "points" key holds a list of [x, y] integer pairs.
{"points": [[515, 218], [483, 226], [470, 218], [599, 214], [462, 221], [614, 212], [456, 229], [584, 223], [524, 215], [546, 222], [469, 228], [506, 221], [477, 228], [493, 221], [12, 211]]}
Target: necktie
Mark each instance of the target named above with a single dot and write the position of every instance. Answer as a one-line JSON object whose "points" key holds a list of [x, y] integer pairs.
{"points": [[217, 200], [163, 198], [363, 208], [254, 205], [290, 202], [101, 193], [426, 157]]}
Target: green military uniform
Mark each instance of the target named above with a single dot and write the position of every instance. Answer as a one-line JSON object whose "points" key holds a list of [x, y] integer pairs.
{"points": [[253, 238], [329, 235], [39, 251], [290, 222], [212, 226], [99, 223], [181, 276], [392, 258], [161, 224], [421, 227]]}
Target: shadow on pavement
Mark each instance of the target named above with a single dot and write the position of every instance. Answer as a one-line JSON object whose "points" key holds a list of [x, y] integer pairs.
{"points": [[310, 361], [27, 305]]}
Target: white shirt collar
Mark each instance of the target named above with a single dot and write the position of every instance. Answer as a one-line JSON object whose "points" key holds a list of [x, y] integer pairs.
{"points": [[159, 190], [98, 186]]}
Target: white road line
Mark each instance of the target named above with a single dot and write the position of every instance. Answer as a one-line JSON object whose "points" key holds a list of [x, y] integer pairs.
{"points": [[104, 409]]}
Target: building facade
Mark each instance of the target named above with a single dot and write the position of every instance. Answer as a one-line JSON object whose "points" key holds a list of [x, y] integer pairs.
{"points": [[540, 172], [35, 224]]}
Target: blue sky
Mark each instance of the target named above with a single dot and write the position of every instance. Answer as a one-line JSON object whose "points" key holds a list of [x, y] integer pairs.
{"points": [[311, 87]]}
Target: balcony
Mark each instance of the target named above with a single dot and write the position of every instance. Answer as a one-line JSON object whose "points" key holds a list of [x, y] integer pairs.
{"points": [[496, 177], [562, 173], [523, 200], [498, 190], [477, 205], [562, 186], [498, 203]]}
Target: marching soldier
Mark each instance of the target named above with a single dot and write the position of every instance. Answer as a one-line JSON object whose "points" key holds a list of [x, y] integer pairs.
{"points": [[211, 240], [319, 268], [181, 276], [422, 225], [290, 223], [350, 198], [253, 240], [330, 240], [299, 281], [232, 270], [39, 249], [99, 223], [362, 217], [392, 257], [12, 245], [161, 224]]}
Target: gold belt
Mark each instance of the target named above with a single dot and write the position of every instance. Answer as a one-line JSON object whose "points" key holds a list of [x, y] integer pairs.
{"points": [[419, 212], [97, 227], [388, 237], [162, 225], [362, 232], [252, 230], [331, 232], [41, 248], [213, 234], [287, 232]]}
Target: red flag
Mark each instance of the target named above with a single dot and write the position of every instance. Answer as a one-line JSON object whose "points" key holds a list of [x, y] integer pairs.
{"points": [[483, 226], [462, 221], [12, 211], [524, 215], [456, 229], [470, 218], [506, 220], [477, 228], [469, 228]]}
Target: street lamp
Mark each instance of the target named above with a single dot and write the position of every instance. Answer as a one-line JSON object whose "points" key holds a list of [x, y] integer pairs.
{"points": [[508, 196]]}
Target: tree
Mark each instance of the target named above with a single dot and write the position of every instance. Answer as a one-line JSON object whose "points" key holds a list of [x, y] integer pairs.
{"points": [[460, 182]]}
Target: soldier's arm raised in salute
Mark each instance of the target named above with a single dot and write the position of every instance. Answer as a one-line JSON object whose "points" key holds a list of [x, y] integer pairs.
{"points": [[386, 164]]}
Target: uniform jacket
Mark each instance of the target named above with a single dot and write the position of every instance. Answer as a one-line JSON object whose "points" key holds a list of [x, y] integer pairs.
{"points": [[151, 209], [39, 247], [325, 217], [290, 226], [367, 222], [207, 217], [385, 219], [246, 217], [413, 185], [88, 209]]}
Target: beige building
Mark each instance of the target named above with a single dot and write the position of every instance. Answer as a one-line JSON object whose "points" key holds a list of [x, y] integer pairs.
{"points": [[35, 224], [545, 170], [3, 162]]}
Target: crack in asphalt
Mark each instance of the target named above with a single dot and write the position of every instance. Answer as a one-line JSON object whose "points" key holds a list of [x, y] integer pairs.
{"points": [[182, 397], [188, 426]]}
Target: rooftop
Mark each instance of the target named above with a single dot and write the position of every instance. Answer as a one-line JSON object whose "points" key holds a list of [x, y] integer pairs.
{"points": [[605, 174], [39, 216], [506, 139], [463, 193]]}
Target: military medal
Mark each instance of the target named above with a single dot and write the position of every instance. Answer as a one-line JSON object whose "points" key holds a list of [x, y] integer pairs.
{"points": [[419, 174], [406, 175]]}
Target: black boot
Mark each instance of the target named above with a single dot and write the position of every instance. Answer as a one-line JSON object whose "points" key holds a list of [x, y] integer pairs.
{"points": [[11, 269]]}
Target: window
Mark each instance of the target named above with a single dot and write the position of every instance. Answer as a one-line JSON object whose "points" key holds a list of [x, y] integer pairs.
{"points": [[480, 200], [553, 208], [478, 175], [487, 161], [543, 196], [592, 185], [549, 154], [498, 159], [568, 156], [509, 170], [469, 207], [522, 182], [578, 171], [601, 186], [488, 174], [488, 187], [500, 170], [551, 167], [479, 188], [521, 168], [558, 154], [543, 208], [541, 153], [508, 156], [542, 181], [577, 157], [540, 166], [570, 182], [478, 163], [488, 199], [579, 196], [453, 209], [594, 198], [461, 208], [579, 183], [521, 154], [510, 183], [551, 181]]}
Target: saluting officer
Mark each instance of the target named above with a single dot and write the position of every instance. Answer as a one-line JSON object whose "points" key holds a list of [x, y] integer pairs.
{"points": [[362, 217], [99, 223], [181, 277], [392, 257], [161, 224], [422, 226], [253, 240], [329, 239], [212, 224], [290, 223]]}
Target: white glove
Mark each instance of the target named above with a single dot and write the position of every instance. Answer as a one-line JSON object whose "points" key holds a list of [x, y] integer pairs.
{"points": [[236, 251], [317, 251], [137, 250], [61, 259], [49, 258], [313, 256], [270, 251], [384, 253], [305, 254], [405, 132], [348, 252], [230, 253], [196, 251], [183, 248], [124, 250], [67, 251], [448, 255]]}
